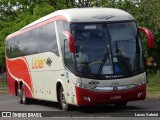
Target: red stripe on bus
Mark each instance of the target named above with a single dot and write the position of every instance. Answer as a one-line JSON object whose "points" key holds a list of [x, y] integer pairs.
{"points": [[36, 26], [29, 74], [19, 69]]}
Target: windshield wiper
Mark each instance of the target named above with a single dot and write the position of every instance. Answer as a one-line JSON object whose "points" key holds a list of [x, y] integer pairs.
{"points": [[103, 62]]}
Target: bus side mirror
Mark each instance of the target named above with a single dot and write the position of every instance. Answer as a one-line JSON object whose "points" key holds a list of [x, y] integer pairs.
{"points": [[150, 37], [150, 61], [70, 39]]}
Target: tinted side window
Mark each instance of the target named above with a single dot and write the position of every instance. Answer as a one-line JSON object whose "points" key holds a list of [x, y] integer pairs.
{"points": [[41, 39], [14, 48], [17, 46], [24, 47], [51, 41], [68, 56], [16, 43], [32, 43], [8, 48]]}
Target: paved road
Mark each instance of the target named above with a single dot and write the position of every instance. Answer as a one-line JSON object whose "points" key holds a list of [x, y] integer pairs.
{"points": [[10, 103]]}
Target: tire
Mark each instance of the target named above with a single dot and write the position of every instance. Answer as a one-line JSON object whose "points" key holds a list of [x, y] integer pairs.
{"points": [[16, 89], [22, 97], [62, 100]]}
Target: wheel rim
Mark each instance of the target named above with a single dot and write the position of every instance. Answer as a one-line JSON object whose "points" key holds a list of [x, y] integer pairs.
{"points": [[23, 96], [63, 101], [19, 97]]}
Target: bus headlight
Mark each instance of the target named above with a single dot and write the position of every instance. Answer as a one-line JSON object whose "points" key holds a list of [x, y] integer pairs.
{"points": [[78, 84], [82, 85], [140, 82]]}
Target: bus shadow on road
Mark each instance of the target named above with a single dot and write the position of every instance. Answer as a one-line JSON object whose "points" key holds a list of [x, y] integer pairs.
{"points": [[109, 108], [44, 103], [91, 109]]}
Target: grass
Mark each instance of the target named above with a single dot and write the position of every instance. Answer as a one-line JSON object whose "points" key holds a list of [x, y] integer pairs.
{"points": [[153, 84], [3, 86]]}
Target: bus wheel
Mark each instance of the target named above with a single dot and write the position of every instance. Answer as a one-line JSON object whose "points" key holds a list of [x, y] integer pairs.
{"points": [[62, 100], [22, 97], [121, 104]]}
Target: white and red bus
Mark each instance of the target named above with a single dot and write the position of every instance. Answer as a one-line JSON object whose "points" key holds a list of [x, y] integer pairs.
{"points": [[81, 56]]}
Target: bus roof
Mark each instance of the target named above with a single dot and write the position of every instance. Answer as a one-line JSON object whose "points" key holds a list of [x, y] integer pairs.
{"points": [[94, 14], [86, 15]]}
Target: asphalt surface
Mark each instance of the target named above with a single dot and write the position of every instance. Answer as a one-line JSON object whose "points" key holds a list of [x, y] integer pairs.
{"points": [[10, 103]]}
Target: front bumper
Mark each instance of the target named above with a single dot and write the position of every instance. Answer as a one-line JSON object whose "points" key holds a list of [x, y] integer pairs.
{"points": [[87, 97]]}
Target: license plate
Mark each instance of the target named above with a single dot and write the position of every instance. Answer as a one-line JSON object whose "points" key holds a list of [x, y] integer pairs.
{"points": [[115, 97]]}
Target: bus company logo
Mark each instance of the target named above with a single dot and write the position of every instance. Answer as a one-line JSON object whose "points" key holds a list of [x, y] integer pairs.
{"points": [[103, 16], [49, 62], [92, 84], [115, 88], [38, 63]]}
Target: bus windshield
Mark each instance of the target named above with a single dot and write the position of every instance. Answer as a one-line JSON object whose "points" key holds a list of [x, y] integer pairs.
{"points": [[103, 48]]}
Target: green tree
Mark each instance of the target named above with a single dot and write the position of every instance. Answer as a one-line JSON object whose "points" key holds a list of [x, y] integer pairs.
{"points": [[15, 14]]}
